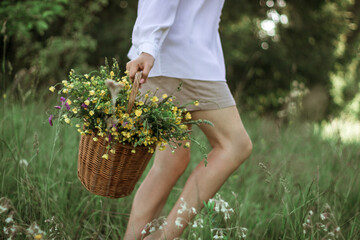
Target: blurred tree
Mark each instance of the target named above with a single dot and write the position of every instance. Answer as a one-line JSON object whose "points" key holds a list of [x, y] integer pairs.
{"points": [[268, 45]]}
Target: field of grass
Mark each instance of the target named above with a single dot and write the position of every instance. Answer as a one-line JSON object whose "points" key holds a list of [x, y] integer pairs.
{"points": [[295, 185]]}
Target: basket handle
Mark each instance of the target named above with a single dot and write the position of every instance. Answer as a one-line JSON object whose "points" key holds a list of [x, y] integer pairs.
{"points": [[134, 91]]}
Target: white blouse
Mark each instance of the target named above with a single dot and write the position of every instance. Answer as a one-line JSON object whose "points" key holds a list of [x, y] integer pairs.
{"points": [[182, 36]]}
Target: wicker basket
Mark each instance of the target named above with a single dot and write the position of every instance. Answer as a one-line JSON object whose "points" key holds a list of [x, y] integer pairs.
{"points": [[116, 176]]}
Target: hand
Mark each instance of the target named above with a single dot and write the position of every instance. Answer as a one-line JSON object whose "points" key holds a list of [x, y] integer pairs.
{"points": [[144, 62]]}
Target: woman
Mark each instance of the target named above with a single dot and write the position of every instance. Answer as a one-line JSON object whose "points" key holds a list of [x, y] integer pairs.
{"points": [[178, 41]]}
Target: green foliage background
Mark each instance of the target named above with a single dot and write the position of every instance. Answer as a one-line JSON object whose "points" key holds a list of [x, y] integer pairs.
{"points": [[42, 40]]}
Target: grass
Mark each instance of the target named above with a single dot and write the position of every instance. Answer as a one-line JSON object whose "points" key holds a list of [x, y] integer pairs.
{"points": [[293, 178]]}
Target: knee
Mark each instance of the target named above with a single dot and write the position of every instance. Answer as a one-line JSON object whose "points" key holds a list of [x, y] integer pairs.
{"points": [[243, 149], [238, 150]]}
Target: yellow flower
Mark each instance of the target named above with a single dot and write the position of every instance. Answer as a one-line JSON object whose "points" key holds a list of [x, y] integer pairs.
{"points": [[151, 150], [65, 83], [196, 103], [65, 90], [38, 236], [112, 151], [69, 101], [162, 148], [105, 156], [170, 99], [188, 116], [77, 125], [91, 113], [87, 102], [187, 145], [183, 126], [164, 95], [95, 139], [74, 110], [86, 76], [154, 99], [140, 103], [52, 89], [67, 120], [106, 111], [112, 74], [92, 92], [138, 112], [133, 151], [71, 86]]}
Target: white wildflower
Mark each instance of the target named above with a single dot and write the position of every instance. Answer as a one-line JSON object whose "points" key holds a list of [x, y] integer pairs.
{"points": [[143, 231], [6, 231], [3, 209], [337, 229], [323, 216], [183, 206], [152, 229], [9, 219], [243, 232], [178, 222], [217, 209], [23, 162], [311, 212], [193, 210]]}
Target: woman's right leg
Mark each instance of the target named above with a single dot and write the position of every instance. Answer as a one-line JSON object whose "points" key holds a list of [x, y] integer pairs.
{"points": [[155, 189]]}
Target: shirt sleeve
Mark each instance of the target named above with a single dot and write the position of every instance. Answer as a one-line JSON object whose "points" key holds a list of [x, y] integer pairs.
{"points": [[155, 17]]}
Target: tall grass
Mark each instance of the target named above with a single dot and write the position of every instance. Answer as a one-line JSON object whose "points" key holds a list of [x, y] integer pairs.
{"points": [[293, 185]]}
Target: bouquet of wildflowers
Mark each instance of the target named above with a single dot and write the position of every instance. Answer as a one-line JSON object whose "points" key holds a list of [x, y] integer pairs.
{"points": [[98, 103]]}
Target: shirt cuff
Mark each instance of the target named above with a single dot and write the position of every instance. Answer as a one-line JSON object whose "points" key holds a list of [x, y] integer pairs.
{"points": [[149, 48]]}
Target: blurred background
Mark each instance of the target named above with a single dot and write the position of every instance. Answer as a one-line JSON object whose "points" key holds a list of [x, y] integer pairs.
{"points": [[292, 66], [285, 59]]}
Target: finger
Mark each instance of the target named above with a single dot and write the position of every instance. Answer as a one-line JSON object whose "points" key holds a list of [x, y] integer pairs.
{"points": [[132, 71], [145, 72], [128, 66]]}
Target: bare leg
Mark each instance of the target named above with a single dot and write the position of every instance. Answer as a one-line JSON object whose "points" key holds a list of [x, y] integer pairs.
{"points": [[155, 189], [231, 146]]}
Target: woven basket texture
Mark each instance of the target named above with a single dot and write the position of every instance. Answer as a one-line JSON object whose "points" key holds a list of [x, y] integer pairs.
{"points": [[114, 177]]}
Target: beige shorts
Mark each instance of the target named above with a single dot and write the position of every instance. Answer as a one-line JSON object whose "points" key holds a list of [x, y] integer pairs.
{"points": [[210, 94]]}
